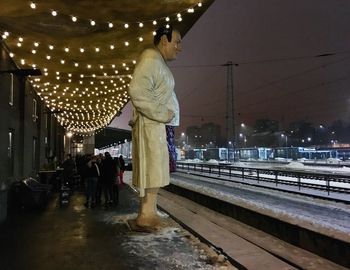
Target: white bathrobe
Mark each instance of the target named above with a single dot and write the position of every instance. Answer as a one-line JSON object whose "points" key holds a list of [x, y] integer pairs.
{"points": [[152, 95]]}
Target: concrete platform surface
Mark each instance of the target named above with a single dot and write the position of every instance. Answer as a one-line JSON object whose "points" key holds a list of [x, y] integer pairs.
{"points": [[246, 246], [75, 237]]}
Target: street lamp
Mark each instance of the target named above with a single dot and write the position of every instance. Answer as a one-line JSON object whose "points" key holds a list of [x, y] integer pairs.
{"points": [[244, 138], [318, 134], [69, 135], [286, 138], [184, 136]]}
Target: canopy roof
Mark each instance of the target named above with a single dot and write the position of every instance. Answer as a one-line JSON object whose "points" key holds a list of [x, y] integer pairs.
{"points": [[87, 50]]}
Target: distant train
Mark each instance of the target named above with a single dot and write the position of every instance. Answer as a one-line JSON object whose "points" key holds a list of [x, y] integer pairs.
{"points": [[264, 153]]}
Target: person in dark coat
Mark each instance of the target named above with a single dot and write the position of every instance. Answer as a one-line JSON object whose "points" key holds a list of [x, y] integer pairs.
{"points": [[107, 177], [69, 169], [122, 169], [92, 173]]}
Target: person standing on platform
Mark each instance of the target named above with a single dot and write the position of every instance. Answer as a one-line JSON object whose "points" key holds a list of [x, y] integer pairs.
{"points": [[154, 105], [92, 173], [108, 172], [115, 188], [122, 169], [69, 169]]}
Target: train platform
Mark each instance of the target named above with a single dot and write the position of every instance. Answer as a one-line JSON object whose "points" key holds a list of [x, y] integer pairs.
{"points": [[192, 237], [75, 237]]}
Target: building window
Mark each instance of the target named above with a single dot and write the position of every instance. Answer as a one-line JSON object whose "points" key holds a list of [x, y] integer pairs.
{"points": [[11, 90], [35, 110], [10, 151]]}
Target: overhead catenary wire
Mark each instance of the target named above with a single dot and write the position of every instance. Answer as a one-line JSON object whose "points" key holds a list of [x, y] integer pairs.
{"points": [[249, 91], [286, 78], [258, 61]]}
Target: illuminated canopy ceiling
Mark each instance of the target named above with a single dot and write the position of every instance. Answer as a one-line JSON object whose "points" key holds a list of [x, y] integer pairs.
{"points": [[87, 50]]}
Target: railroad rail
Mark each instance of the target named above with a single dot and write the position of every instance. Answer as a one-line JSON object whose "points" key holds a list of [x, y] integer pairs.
{"points": [[320, 181]]}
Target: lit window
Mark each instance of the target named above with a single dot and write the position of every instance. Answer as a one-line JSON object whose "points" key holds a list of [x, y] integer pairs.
{"points": [[35, 114]]}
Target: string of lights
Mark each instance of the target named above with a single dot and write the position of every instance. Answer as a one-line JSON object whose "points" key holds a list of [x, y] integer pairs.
{"points": [[126, 25], [82, 86]]}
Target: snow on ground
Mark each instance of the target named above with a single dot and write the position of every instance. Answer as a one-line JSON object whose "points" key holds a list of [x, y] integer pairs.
{"points": [[290, 164], [315, 214], [298, 167], [167, 249]]}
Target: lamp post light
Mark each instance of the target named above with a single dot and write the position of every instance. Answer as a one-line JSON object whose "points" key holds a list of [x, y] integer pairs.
{"points": [[244, 138], [286, 140], [318, 134], [185, 138], [69, 135], [228, 150]]}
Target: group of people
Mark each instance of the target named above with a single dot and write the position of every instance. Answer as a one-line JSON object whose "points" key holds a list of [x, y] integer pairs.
{"points": [[98, 175], [102, 175]]}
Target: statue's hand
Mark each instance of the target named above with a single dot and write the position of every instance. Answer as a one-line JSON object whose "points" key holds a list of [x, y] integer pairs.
{"points": [[171, 115], [131, 123]]}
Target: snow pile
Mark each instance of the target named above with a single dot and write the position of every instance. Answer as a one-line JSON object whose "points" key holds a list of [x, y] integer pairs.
{"points": [[333, 160], [196, 160], [168, 249], [213, 161], [295, 165]]}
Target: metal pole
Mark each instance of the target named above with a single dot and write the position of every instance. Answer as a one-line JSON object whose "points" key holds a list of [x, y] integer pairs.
{"points": [[230, 121]]}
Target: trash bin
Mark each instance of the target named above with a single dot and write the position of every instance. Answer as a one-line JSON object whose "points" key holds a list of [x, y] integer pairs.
{"points": [[29, 193], [64, 195]]}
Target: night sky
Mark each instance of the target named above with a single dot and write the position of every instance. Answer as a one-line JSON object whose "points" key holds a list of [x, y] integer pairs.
{"points": [[282, 73]]}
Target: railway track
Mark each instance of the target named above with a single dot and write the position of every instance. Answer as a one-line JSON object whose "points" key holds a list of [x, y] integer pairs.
{"points": [[289, 228], [329, 183]]}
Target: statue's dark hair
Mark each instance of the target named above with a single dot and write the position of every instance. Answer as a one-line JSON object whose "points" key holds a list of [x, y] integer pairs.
{"points": [[163, 30]]}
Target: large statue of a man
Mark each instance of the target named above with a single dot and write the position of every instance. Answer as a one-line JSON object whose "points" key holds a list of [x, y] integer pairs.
{"points": [[154, 105]]}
